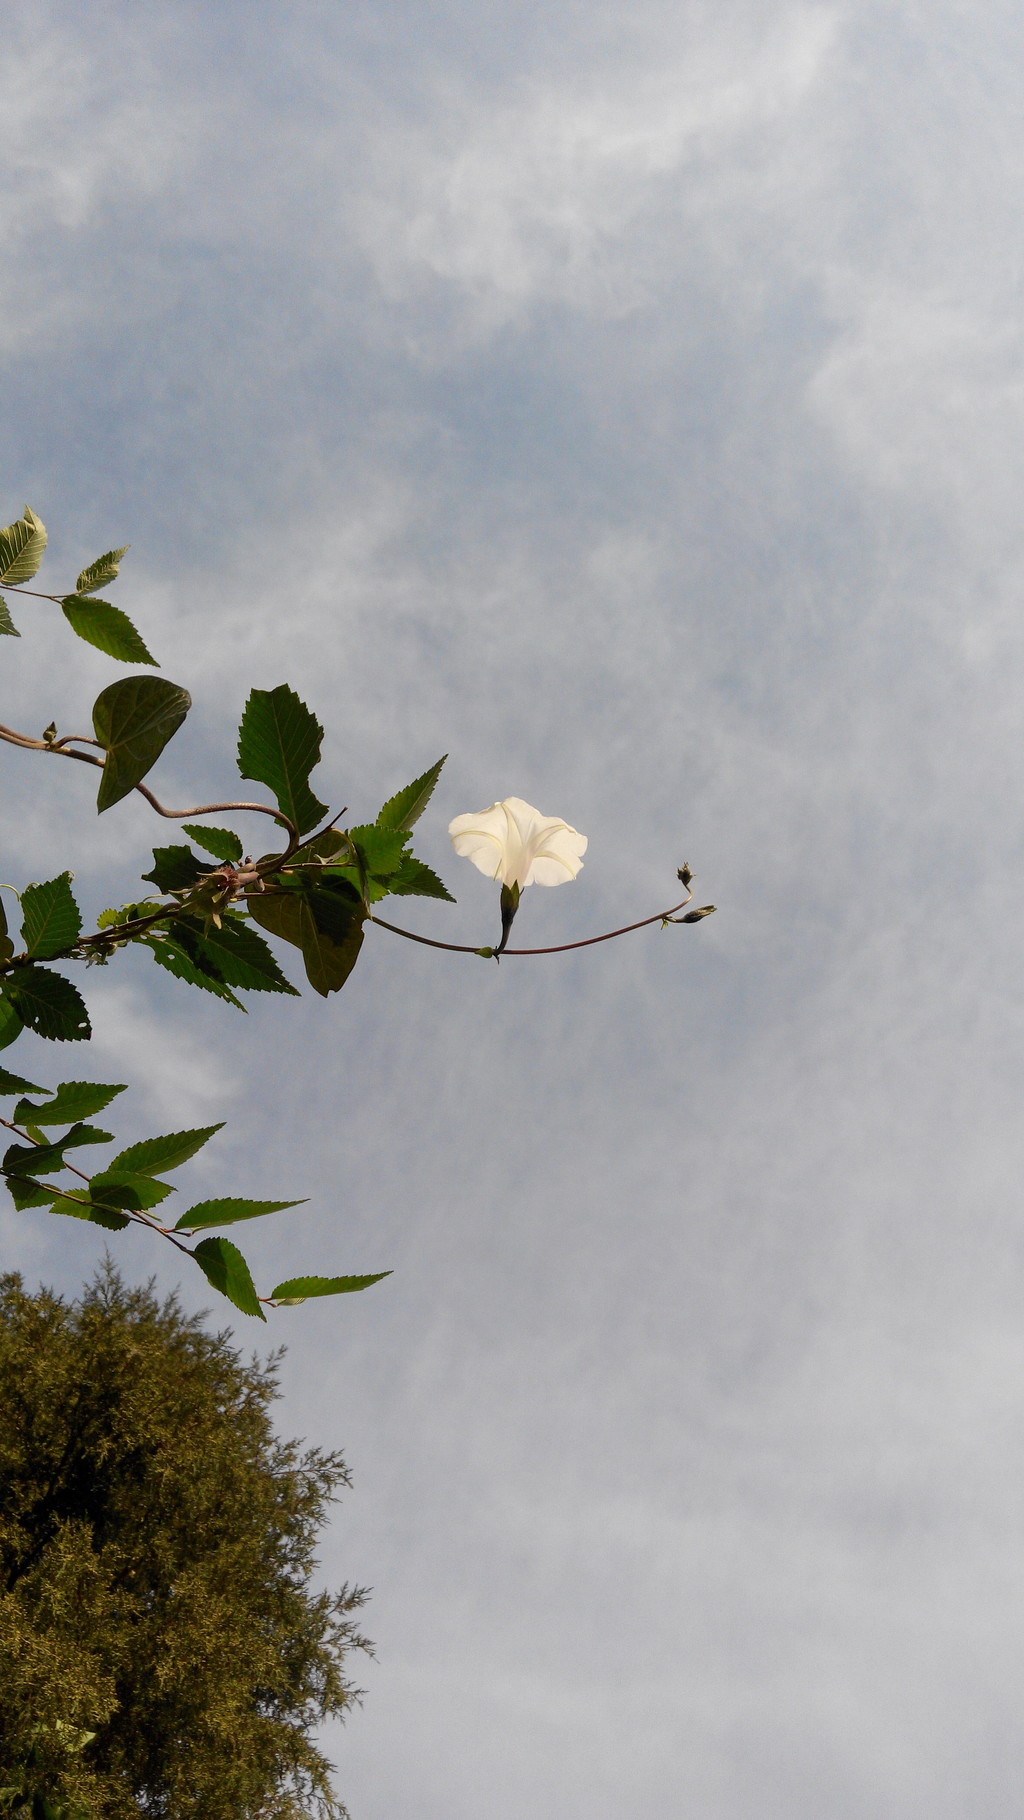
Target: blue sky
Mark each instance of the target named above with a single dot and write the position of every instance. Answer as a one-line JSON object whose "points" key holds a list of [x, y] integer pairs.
{"points": [[628, 402]]}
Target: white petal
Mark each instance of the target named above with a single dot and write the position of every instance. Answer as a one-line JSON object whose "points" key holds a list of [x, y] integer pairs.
{"points": [[513, 841]]}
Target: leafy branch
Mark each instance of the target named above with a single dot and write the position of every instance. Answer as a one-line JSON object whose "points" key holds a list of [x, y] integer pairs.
{"points": [[206, 919]]}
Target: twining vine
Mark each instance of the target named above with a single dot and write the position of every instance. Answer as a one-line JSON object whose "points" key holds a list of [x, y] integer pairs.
{"points": [[317, 894]]}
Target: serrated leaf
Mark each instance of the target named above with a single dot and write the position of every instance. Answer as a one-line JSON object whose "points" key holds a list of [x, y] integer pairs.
{"points": [[154, 1154], [50, 918], [133, 720], [13, 1083], [32, 1159], [21, 548], [381, 850], [144, 1190], [185, 966], [279, 745], [299, 1289], [26, 1193], [49, 1004], [226, 1212], [242, 958], [175, 869], [8, 629], [414, 879], [106, 627], [100, 572], [40, 1159], [11, 1025], [80, 1205], [219, 841], [224, 1266], [405, 808], [71, 1100]]}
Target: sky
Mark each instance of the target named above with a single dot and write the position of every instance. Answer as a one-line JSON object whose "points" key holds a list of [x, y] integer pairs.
{"points": [[629, 402]]}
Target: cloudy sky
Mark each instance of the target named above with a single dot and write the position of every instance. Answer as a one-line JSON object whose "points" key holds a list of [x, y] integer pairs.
{"points": [[629, 401]]}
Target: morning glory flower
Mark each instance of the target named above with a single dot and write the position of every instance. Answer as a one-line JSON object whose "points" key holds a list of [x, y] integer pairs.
{"points": [[515, 843]]}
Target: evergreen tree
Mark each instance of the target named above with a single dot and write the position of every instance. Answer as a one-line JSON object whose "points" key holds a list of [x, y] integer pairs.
{"points": [[163, 1650]]}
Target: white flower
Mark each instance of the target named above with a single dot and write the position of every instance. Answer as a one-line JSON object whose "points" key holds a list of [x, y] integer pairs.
{"points": [[516, 844]]}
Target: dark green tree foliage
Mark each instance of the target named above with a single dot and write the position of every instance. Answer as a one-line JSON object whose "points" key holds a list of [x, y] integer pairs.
{"points": [[163, 1649]]}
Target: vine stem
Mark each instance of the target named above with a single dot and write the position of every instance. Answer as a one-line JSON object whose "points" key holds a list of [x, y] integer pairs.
{"points": [[661, 916], [63, 747]]}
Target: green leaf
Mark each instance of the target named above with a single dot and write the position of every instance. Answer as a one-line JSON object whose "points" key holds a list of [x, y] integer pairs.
{"points": [[26, 1193], [226, 1212], [414, 879], [106, 627], [139, 1190], [155, 1154], [11, 1025], [381, 850], [49, 1004], [224, 1266], [175, 869], [21, 548], [324, 921], [13, 1083], [278, 745], [39, 1159], [133, 720], [101, 1208], [72, 1100], [8, 628], [32, 1159], [403, 810], [219, 841], [100, 572], [51, 920], [299, 1289], [325, 846], [242, 958], [190, 966]]}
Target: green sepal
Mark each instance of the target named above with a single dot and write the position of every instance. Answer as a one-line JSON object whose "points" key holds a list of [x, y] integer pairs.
{"points": [[106, 627], [13, 1083], [48, 1004], [279, 745], [100, 572], [402, 810], [21, 548], [50, 919], [299, 1289], [226, 1212], [224, 1266], [221, 842], [72, 1100], [8, 629], [188, 964], [154, 1154], [414, 879], [133, 719], [175, 869]]}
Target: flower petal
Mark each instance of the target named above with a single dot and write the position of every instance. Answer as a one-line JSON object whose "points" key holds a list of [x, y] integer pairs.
{"points": [[514, 842]]}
